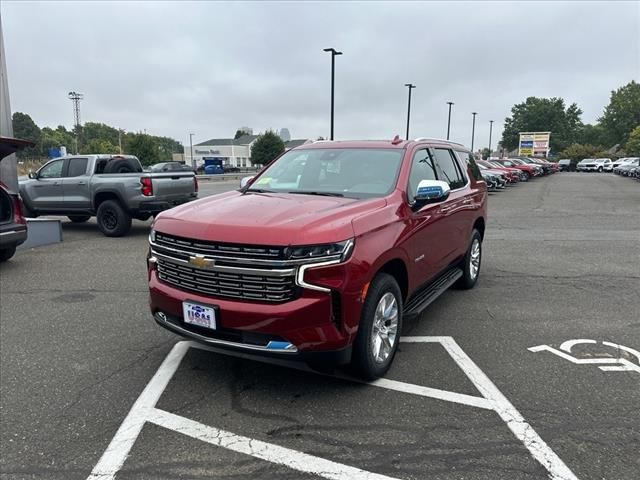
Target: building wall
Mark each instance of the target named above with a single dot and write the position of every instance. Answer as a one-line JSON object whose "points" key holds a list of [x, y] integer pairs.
{"points": [[232, 155]]}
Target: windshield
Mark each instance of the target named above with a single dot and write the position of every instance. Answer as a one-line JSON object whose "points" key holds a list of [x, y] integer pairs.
{"points": [[348, 172]]}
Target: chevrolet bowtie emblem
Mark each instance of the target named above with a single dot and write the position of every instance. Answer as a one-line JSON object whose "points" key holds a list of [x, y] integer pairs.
{"points": [[201, 262]]}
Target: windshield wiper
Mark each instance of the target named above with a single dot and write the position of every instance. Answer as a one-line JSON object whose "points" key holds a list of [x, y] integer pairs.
{"points": [[258, 190], [322, 194]]}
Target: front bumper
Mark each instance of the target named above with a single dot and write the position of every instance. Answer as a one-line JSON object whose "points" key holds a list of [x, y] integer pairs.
{"points": [[310, 323]]}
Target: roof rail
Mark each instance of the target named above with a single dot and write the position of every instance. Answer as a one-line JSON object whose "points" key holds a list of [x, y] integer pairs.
{"points": [[322, 141], [421, 139]]}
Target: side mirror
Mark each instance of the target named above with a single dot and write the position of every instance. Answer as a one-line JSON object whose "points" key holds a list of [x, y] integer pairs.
{"points": [[431, 191], [245, 181], [33, 175]]}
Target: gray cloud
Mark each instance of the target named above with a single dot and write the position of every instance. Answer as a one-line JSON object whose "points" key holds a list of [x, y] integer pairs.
{"points": [[210, 67]]}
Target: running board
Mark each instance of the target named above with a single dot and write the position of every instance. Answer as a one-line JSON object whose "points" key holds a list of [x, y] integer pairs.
{"points": [[423, 297]]}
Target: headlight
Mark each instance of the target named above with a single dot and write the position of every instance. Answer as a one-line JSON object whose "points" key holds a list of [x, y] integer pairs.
{"points": [[339, 250], [152, 235]]}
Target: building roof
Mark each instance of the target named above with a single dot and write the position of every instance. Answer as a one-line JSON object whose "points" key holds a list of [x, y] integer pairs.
{"points": [[296, 143], [220, 142]]}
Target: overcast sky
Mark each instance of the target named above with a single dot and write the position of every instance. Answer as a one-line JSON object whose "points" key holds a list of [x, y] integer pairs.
{"points": [[210, 67]]}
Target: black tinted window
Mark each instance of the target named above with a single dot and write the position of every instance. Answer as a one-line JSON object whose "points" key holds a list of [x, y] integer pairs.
{"points": [[448, 170], [467, 159], [421, 169], [77, 167]]}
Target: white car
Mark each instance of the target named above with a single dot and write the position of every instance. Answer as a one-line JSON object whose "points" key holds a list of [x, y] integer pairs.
{"points": [[594, 165]]}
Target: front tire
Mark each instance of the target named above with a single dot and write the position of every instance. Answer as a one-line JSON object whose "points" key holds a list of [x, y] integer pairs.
{"points": [[471, 263], [7, 253], [600, 169], [113, 220], [380, 327]]}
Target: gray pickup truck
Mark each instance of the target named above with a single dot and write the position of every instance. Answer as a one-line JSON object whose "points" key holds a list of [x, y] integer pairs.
{"points": [[112, 187]]}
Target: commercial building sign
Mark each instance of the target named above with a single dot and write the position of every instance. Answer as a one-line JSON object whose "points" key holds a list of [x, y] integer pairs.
{"points": [[534, 143]]}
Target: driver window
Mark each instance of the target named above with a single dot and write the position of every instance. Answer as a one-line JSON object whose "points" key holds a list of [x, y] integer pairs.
{"points": [[52, 170], [421, 169]]}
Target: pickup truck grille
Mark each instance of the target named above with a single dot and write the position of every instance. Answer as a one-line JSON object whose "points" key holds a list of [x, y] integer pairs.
{"points": [[221, 249], [228, 285]]}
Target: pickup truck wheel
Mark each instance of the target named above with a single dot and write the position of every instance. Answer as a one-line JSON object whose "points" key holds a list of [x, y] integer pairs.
{"points": [[471, 263], [113, 220], [79, 218], [380, 326], [7, 253]]}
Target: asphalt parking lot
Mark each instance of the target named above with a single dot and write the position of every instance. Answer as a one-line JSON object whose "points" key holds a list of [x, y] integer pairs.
{"points": [[78, 347]]}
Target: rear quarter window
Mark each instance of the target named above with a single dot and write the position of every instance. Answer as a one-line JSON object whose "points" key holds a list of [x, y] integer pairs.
{"points": [[467, 159]]}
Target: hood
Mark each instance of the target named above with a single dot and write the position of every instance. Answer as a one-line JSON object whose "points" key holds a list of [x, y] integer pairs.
{"points": [[266, 218]]}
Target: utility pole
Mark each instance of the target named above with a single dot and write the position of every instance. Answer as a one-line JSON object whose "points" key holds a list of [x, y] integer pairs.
{"points": [[334, 53], [411, 87], [193, 162], [449, 120], [120, 140], [473, 129], [490, 132], [75, 97]]}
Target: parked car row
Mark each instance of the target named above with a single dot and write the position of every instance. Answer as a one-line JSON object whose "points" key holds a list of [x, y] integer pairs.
{"points": [[627, 167], [499, 173]]}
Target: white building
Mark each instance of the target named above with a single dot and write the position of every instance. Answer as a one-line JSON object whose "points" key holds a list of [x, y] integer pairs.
{"points": [[233, 153]]}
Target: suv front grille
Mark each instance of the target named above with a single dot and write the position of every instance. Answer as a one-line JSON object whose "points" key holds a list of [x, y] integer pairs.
{"points": [[220, 249], [234, 271], [229, 285]]}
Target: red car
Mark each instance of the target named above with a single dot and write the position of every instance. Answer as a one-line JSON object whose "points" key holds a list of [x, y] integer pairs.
{"points": [[512, 174], [530, 171], [322, 254]]}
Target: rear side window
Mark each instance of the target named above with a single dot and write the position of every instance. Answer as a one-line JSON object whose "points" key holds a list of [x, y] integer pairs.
{"points": [[421, 169], [467, 159], [77, 167], [448, 169]]}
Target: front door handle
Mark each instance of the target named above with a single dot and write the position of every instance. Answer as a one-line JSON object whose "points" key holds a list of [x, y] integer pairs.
{"points": [[81, 183]]}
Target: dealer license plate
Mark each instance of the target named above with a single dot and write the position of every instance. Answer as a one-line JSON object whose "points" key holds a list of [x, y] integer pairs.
{"points": [[200, 315]]}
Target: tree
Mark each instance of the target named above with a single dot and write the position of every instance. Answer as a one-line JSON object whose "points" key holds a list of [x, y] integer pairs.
{"points": [[594, 135], [632, 146], [25, 128], [99, 145], [144, 147], [239, 133], [485, 153], [577, 152], [623, 112], [543, 115], [266, 148]]}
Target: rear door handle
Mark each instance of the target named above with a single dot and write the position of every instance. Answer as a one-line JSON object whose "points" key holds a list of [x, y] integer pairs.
{"points": [[81, 183]]}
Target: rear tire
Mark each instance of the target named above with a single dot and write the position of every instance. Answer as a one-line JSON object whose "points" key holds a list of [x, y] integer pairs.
{"points": [[471, 263], [7, 253], [380, 328], [79, 218], [113, 220]]}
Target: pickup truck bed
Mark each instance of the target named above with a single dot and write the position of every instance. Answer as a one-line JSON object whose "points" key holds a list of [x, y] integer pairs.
{"points": [[112, 188]]}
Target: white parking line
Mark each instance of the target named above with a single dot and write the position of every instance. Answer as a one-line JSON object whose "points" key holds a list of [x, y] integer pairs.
{"points": [[144, 411]]}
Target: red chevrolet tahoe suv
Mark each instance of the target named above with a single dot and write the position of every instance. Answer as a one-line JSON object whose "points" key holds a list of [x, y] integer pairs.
{"points": [[324, 253]]}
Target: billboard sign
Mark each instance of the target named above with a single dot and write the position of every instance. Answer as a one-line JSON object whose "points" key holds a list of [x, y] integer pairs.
{"points": [[534, 143]]}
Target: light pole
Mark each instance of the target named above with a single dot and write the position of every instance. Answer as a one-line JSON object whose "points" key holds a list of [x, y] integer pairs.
{"points": [[449, 120], [411, 87], [334, 52], [473, 129], [193, 162], [490, 131]]}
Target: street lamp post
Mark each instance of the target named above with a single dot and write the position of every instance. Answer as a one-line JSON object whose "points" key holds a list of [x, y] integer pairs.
{"points": [[490, 131], [334, 52], [193, 162], [411, 87], [449, 120], [473, 129]]}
